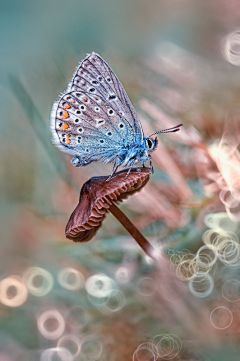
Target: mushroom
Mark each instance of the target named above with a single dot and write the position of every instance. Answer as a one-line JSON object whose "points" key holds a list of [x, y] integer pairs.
{"points": [[98, 196]]}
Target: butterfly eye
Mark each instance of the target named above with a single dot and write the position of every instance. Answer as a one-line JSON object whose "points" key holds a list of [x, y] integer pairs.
{"points": [[110, 112], [80, 130], [149, 143]]}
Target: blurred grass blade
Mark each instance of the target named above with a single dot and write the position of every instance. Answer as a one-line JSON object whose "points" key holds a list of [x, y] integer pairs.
{"points": [[39, 126]]}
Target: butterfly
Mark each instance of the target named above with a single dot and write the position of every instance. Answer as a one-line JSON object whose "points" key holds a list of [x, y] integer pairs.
{"points": [[94, 120]]}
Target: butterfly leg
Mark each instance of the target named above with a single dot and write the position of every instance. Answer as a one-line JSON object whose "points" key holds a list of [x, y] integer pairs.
{"points": [[115, 167], [150, 163], [129, 170]]}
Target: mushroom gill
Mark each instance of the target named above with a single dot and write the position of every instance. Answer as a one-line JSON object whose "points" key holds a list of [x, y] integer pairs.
{"points": [[96, 198]]}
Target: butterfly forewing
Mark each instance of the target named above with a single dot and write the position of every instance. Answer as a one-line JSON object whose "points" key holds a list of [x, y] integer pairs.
{"points": [[95, 76]]}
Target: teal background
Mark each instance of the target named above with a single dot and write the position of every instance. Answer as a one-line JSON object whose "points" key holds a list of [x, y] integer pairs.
{"points": [[41, 44]]}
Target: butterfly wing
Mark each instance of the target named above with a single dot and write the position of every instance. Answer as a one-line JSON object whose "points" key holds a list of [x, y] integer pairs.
{"points": [[94, 119], [94, 75], [85, 125]]}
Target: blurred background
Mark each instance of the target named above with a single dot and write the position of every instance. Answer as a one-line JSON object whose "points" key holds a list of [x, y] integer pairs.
{"points": [[106, 300]]}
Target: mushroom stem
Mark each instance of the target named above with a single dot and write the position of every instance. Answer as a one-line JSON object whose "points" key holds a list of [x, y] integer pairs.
{"points": [[139, 238]]}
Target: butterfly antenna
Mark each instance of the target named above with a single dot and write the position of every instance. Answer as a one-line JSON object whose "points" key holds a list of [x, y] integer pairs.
{"points": [[169, 130]]}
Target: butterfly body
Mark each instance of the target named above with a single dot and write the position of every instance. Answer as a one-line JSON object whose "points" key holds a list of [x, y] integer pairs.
{"points": [[94, 119], [126, 155]]}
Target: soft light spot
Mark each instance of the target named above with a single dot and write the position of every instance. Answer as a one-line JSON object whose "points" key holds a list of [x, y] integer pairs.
{"points": [[231, 47]]}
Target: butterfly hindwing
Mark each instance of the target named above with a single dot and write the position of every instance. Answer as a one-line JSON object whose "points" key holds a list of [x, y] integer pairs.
{"points": [[81, 125]]}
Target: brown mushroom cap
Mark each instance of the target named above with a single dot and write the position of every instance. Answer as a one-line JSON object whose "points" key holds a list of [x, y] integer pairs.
{"points": [[97, 196]]}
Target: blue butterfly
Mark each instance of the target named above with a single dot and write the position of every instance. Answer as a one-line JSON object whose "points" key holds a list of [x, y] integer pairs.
{"points": [[94, 120]]}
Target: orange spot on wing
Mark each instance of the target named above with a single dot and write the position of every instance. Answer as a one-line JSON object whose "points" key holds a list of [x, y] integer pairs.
{"points": [[65, 114], [72, 101], [68, 135], [65, 126], [84, 99], [68, 141], [67, 106]]}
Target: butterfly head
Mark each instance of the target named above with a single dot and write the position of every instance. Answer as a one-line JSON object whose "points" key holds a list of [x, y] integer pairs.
{"points": [[147, 147], [151, 144]]}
